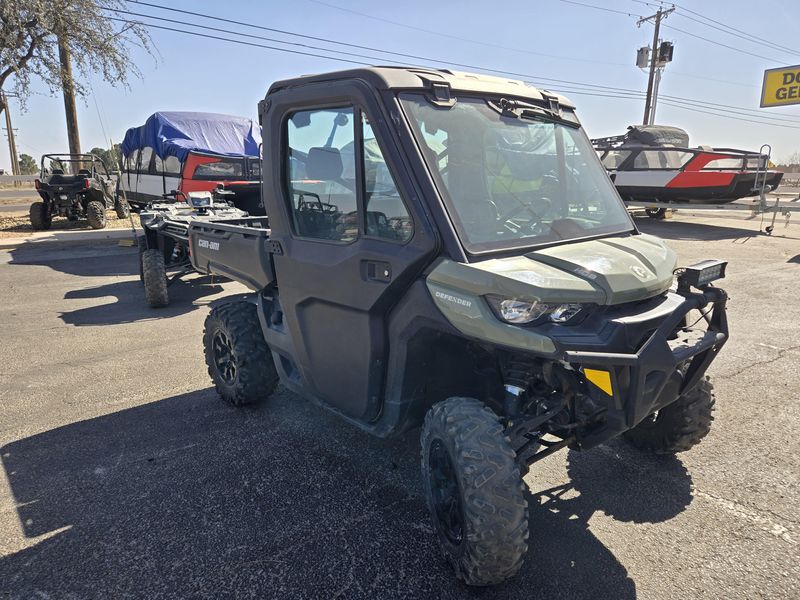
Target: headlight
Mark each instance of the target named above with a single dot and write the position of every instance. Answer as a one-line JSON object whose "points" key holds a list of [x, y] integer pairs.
{"points": [[520, 311]]}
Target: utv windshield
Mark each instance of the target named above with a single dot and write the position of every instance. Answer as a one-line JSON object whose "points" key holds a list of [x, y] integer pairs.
{"points": [[514, 178]]}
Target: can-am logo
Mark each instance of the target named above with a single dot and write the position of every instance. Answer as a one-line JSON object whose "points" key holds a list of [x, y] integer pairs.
{"points": [[454, 299], [208, 244]]}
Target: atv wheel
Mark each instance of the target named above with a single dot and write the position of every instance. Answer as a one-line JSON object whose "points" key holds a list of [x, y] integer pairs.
{"points": [[656, 213], [121, 208], [40, 216], [474, 491], [678, 426], [238, 359], [96, 214], [154, 276]]}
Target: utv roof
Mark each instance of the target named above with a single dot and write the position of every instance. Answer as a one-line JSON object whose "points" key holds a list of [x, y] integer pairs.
{"points": [[419, 78]]}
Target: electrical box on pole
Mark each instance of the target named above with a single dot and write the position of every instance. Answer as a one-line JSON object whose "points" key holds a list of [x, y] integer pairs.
{"points": [[665, 52], [643, 57]]}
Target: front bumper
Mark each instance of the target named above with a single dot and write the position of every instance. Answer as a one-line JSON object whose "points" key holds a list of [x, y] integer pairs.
{"points": [[669, 363]]}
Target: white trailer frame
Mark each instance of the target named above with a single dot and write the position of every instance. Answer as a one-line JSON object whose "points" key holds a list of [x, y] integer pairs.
{"points": [[780, 202]]}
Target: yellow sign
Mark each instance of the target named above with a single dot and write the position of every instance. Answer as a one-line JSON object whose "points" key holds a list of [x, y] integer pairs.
{"points": [[781, 87]]}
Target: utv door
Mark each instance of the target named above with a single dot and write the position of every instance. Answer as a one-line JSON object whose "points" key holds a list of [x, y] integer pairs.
{"points": [[352, 241]]}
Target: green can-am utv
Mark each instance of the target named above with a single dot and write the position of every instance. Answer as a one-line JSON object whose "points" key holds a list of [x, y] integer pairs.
{"points": [[445, 250]]}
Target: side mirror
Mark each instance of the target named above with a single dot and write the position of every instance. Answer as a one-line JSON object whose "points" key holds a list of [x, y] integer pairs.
{"points": [[301, 119]]}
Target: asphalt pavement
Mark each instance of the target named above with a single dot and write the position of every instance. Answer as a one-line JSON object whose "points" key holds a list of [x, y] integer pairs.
{"points": [[124, 476], [16, 201]]}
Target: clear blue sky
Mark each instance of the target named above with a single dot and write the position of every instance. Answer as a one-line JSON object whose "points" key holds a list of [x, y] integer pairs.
{"points": [[543, 38]]}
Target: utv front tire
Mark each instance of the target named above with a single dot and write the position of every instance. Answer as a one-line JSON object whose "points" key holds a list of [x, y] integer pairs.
{"points": [[96, 214], [474, 491], [678, 426], [40, 216], [154, 276], [238, 359]]}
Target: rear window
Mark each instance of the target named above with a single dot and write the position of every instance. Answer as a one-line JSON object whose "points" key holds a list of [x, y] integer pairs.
{"points": [[226, 168]]}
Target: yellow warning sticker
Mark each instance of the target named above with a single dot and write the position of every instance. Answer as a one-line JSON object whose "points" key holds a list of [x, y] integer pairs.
{"points": [[601, 379]]}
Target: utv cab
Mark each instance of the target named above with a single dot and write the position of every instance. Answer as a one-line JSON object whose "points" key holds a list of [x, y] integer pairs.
{"points": [[75, 186], [446, 251]]}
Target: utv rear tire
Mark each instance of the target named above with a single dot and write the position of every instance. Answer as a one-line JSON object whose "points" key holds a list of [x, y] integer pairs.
{"points": [[238, 359], [474, 491], [40, 216], [678, 426], [122, 208], [154, 276], [96, 214]]}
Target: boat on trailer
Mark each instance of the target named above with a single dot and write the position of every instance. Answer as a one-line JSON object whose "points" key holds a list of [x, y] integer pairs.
{"points": [[655, 163]]}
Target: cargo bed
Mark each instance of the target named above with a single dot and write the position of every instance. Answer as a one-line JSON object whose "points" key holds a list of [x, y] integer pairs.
{"points": [[234, 248]]}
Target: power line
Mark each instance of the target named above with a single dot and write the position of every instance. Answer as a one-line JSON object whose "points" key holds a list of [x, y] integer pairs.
{"points": [[710, 41], [596, 90], [611, 10], [454, 37], [705, 39], [741, 37], [754, 37]]}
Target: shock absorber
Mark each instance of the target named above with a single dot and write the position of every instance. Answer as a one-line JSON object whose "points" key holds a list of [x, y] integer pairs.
{"points": [[517, 372]]}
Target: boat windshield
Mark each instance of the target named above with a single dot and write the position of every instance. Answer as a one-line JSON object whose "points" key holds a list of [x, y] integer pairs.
{"points": [[514, 178]]}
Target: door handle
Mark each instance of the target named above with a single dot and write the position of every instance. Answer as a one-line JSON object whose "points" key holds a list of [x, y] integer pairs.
{"points": [[376, 270]]}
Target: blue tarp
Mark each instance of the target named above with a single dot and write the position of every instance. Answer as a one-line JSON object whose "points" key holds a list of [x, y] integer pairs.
{"points": [[177, 133]]}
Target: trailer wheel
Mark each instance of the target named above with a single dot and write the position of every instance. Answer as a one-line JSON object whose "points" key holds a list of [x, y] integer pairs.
{"points": [[238, 359], [122, 208], [656, 213], [474, 491], [154, 276], [40, 216], [678, 426], [96, 214]]}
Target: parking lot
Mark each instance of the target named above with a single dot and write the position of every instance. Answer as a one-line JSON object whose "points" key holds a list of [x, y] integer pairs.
{"points": [[125, 476]]}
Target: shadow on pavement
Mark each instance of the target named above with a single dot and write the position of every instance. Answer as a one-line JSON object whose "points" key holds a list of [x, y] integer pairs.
{"points": [[669, 229], [187, 497], [83, 259], [130, 305]]}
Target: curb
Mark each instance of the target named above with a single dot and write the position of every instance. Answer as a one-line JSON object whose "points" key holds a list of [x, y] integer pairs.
{"points": [[66, 237]]}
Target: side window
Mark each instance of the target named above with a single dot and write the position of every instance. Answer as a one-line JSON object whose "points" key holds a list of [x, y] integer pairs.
{"points": [[133, 161], [158, 165], [661, 159], [387, 216], [144, 159], [614, 158], [172, 165], [321, 174]]}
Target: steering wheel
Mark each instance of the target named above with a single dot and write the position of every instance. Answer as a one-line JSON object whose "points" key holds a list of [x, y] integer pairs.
{"points": [[507, 218]]}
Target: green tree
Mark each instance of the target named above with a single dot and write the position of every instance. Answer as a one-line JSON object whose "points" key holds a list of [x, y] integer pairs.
{"points": [[27, 165], [29, 43], [111, 157]]}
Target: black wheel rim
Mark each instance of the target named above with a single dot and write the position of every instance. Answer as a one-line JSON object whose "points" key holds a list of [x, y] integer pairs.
{"points": [[449, 512], [224, 357]]}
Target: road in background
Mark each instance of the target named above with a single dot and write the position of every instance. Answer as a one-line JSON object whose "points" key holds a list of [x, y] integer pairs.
{"points": [[124, 474]]}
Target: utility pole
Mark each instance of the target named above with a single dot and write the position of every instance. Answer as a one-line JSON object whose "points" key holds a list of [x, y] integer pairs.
{"points": [[657, 18], [68, 85], [12, 144]]}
